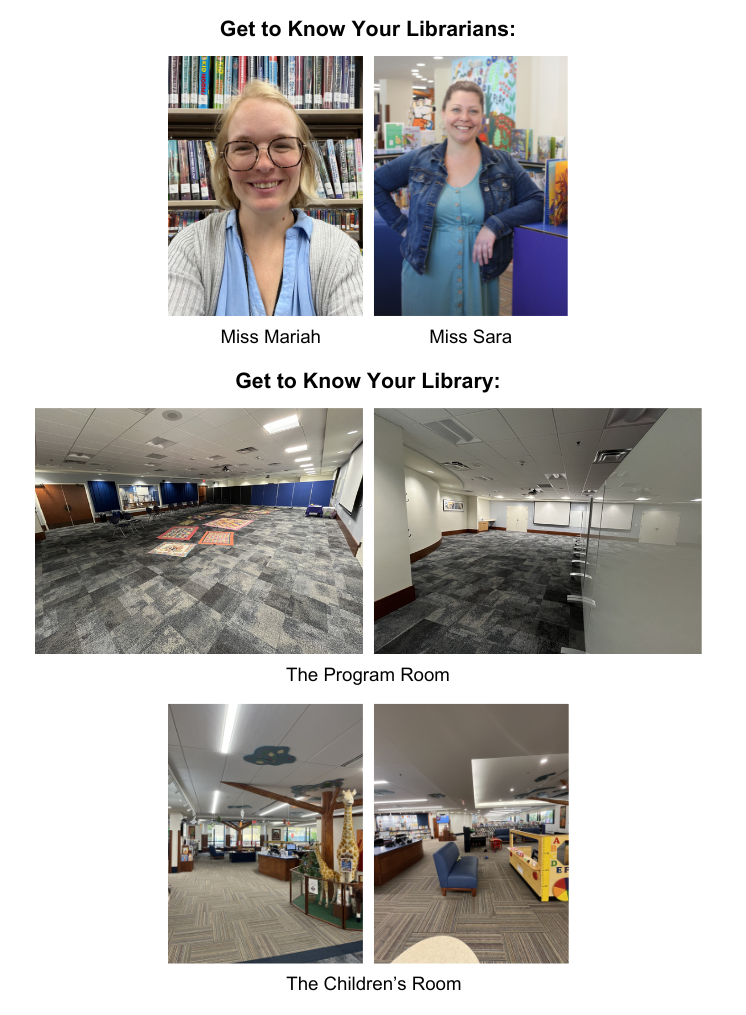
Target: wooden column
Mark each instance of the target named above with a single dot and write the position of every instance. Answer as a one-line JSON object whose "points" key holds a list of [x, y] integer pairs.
{"points": [[327, 829]]}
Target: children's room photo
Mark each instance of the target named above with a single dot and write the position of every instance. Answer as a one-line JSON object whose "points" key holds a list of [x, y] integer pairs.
{"points": [[199, 530]]}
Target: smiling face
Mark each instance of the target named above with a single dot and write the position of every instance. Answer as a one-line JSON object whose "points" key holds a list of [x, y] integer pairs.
{"points": [[265, 188], [462, 117]]}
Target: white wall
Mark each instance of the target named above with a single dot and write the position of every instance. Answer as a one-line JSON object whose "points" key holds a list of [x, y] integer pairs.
{"points": [[392, 570], [541, 95], [397, 93], [424, 510], [452, 521], [354, 520], [498, 510], [357, 823], [556, 826]]}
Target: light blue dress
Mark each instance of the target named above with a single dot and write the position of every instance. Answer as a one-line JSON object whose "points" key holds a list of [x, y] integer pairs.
{"points": [[451, 285]]}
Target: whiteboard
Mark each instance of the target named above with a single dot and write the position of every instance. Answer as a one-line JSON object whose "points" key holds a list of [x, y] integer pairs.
{"points": [[353, 479], [551, 513], [616, 516]]}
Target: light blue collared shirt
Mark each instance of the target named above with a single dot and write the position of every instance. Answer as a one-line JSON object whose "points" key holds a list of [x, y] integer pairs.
{"points": [[296, 298]]}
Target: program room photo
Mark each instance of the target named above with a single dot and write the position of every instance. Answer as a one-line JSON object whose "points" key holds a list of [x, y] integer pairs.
{"points": [[471, 855], [538, 530], [265, 833], [199, 530]]}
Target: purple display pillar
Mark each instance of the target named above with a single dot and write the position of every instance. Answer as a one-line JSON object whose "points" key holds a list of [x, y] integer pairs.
{"points": [[540, 271]]}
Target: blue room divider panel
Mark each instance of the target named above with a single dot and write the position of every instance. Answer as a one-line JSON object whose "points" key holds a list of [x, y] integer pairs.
{"points": [[257, 495], [322, 491], [245, 495], [270, 494], [301, 494], [285, 494], [104, 495]]}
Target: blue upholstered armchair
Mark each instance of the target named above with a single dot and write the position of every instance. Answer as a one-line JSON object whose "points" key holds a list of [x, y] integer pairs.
{"points": [[216, 854], [455, 872]]}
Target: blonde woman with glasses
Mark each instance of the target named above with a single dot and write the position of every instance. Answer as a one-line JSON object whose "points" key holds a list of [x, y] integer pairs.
{"points": [[263, 256]]}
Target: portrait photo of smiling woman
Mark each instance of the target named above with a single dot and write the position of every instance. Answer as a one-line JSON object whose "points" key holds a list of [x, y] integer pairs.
{"points": [[465, 198], [263, 256]]}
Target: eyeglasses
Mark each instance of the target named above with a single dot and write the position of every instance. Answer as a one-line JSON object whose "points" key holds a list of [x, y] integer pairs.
{"points": [[283, 152]]}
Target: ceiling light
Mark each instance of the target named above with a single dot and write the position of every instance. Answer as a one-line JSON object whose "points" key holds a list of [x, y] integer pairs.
{"points": [[416, 800], [415, 71], [272, 809], [564, 498], [544, 761], [230, 722], [301, 447], [215, 801], [420, 65], [696, 500], [512, 790], [377, 782], [437, 58], [430, 472], [287, 423], [636, 498], [306, 458], [351, 431]]}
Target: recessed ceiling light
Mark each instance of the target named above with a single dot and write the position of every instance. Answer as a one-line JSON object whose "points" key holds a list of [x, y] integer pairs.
{"points": [[306, 458], [420, 65], [286, 423], [351, 431], [301, 447], [230, 722], [430, 472], [564, 498], [437, 58], [543, 761], [636, 498], [215, 801], [376, 782], [696, 500]]}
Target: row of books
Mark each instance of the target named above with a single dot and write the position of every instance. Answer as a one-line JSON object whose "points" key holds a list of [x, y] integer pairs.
{"points": [[547, 146], [339, 168], [346, 219], [178, 220], [308, 82], [189, 170]]}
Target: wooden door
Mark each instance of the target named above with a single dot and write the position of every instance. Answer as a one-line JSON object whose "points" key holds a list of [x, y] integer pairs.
{"points": [[53, 505], [77, 502], [201, 493]]}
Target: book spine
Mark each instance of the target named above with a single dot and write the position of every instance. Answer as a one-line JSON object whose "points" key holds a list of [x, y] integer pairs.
{"points": [[204, 82], [243, 70], [318, 82], [273, 71], [299, 81], [359, 167], [173, 171], [193, 170], [252, 68], [334, 169], [328, 82], [322, 170], [174, 64], [351, 173], [308, 64], [344, 98], [194, 100], [337, 86], [185, 186], [186, 82], [342, 160], [204, 190], [352, 83], [291, 81]]}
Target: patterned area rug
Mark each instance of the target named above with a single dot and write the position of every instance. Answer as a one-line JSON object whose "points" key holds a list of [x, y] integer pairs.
{"points": [[179, 532], [173, 549], [288, 585], [504, 923], [495, 592], [233, 524], [228, 912], [217, 539]]}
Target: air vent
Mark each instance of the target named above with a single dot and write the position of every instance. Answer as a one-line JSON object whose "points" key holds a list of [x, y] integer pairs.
{"points": [[275, 463], [487, 479], [215, 458], [544, 486], [633, 417], [172, 415], [77, 457], [456, 465], [351, 761], [453, 432], [158, 457], [160, 442], [611, 456], [246, 451], [73, 461]]}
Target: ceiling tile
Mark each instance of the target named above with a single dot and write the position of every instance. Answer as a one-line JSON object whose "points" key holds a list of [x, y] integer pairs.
{"points": [[530, 422], [623, 436], [568, 420], [425, 415], [541, 445], [488, 424], [588, 441], [220, 416], [69, 417]]}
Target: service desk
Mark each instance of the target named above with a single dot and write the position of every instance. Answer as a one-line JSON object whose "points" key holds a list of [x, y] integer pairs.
{"points": [[388, 861], [278, 867]]}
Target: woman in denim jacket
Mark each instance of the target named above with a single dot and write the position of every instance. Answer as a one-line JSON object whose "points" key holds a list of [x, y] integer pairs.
{"points": [[465, 199]]}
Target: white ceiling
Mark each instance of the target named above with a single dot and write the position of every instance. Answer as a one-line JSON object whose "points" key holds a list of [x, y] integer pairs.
{"points": [[322, 738], [500, 780], [519, 448], [425, 749], [401, 67], [203, 441]]}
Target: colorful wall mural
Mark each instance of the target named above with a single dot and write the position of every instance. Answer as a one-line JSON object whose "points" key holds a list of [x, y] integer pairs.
{"points": [[496, 76]]}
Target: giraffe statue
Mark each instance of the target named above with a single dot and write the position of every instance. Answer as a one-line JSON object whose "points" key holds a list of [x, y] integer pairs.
{"points": [[347, 848]]}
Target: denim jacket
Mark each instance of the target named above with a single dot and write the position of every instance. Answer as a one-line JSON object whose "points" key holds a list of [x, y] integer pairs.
{"points": [[511, 198]]}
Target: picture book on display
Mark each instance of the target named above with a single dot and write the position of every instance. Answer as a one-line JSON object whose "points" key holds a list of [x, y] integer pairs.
{"points": [[555, 193], [522, 143], [308, 82]]}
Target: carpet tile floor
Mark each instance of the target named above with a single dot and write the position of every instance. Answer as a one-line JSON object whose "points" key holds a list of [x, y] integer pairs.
{"points": [[491, 592], [289, 584], [504, 923], [226, 912]]}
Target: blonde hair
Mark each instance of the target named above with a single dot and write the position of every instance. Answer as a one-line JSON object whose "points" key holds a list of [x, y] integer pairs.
{"points": [[221, 183], [464, 86]]}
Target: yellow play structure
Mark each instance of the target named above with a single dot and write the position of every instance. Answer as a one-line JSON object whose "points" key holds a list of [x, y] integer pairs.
{"points": [[549, 876]]}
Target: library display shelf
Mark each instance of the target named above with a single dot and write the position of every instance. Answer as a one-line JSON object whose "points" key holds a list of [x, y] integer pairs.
{"points": [[197, 205]]}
